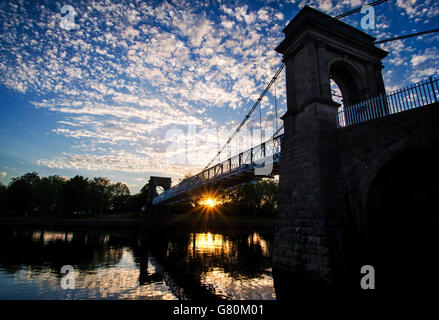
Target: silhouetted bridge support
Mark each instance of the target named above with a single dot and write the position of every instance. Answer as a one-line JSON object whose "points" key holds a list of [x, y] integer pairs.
{"points": [[153, 184], [329, 176]]}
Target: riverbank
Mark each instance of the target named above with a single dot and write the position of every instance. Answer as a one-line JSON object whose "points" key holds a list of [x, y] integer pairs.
{"points": [[128, 221]]}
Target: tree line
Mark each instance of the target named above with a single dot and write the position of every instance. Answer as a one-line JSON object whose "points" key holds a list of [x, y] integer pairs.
{"points": [[31, 194], [252, 198], [255, 198]]}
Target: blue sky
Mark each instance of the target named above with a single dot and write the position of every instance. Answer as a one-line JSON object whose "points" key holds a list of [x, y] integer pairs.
{"points": [[108, 97]]}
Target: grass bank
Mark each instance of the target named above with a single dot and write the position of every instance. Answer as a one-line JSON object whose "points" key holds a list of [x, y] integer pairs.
{"points": [[131, 220]]}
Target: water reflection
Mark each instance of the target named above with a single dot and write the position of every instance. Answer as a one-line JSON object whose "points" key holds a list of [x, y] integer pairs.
{"points": [[48, 236], [132, 265]]}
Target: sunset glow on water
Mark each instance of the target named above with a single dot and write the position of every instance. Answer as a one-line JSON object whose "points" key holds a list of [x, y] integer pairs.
{"points": [[113, 266]]}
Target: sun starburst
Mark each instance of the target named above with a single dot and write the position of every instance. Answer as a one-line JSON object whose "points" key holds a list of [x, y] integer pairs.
{"points": [[209, 202]]}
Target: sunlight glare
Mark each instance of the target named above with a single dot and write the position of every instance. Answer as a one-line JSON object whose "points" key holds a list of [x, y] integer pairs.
{"points": [[209, 202]]}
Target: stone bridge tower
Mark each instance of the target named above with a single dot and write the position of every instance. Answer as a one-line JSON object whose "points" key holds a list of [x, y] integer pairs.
{"points": [[311, 207], [153, 183]]}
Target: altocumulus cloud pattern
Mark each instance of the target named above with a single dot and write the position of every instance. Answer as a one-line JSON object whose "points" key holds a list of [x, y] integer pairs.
{"points": [[133, 70]]}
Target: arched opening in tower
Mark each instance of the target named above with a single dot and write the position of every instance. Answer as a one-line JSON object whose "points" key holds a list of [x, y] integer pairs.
{"points": [[159, 189], [337, 97], [346, 89], [402, 221], [336, 93]]}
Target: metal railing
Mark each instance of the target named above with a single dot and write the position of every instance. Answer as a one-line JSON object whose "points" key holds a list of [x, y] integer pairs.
{"points": [[417, 95], [259, 156]]}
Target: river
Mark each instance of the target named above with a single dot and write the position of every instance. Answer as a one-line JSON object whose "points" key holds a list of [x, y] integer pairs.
{"points": [[132, 264]]}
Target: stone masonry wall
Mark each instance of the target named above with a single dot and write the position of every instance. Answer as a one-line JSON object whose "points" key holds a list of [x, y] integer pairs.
{"points": [[308, 213], [330, 171], [365, 148]]}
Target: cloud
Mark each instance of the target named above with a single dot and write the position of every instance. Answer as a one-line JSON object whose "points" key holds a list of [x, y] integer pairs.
{"points": [[419, 9], [428, 54], [332, 7]]}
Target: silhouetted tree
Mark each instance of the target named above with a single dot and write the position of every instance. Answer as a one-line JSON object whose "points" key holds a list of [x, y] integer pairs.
{"points": [[267, 191], [76, 195], [49, 192], [119, 189], [3, 197], [255, 198], [30, 193], [22, 193], [120, 197], [100, 194]]}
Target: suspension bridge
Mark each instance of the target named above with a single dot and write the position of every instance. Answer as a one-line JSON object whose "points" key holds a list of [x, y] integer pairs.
{"points": [[262, 161], [257, 162], [349, 171]]}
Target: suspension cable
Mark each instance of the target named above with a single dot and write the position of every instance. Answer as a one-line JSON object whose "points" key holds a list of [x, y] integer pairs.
{"points": [[375, 3], [248, 114], [275, 107], [260, 121], [407, 36]]}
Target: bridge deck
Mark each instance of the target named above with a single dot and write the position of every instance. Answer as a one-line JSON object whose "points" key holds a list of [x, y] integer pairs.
{"points": [[255, 163]]}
